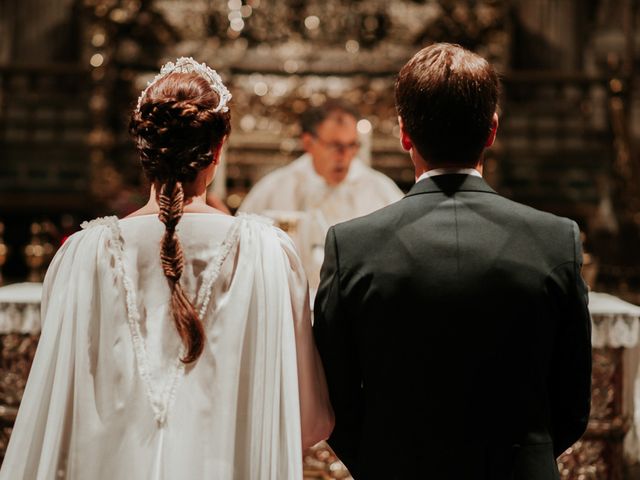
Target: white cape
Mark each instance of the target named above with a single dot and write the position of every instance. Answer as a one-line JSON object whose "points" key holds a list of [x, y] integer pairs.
{"points": [[107, 397]]}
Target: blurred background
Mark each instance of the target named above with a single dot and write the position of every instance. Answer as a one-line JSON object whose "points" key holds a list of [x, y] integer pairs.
{"points": [[71, 71]]}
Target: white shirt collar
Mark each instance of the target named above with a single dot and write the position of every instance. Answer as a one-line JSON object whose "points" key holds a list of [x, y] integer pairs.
{"points": [[448, 171]]}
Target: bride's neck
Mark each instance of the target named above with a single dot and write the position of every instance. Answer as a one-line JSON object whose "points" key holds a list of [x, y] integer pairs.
{"points": [[195, 195]]}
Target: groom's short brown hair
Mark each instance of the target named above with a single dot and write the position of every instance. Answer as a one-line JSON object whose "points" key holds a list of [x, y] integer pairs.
{"points": [[446, 97]]}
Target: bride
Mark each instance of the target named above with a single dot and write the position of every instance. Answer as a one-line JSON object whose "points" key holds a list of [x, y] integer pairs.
{"points": [[176, 342]]}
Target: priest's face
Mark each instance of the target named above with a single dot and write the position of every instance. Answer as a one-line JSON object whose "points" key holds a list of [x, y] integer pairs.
{"points": [[333, 146]]}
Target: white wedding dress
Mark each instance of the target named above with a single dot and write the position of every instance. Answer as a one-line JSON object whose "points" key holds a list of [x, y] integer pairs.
{"points": [[107, 397]]}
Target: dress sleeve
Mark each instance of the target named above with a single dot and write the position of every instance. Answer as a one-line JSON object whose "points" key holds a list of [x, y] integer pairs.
{"points": [[316, 413], [42, 432]]}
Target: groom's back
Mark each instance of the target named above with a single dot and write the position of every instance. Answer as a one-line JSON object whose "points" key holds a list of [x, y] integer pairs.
{"points": [[454, 297], [452, 324]]}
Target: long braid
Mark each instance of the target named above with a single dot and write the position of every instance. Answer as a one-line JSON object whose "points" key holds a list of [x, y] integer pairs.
{"points": [[189, 326], [177, 127]]}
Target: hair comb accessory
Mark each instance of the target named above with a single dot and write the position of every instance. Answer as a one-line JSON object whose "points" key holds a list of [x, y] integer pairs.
{"points": [[189, 65]]}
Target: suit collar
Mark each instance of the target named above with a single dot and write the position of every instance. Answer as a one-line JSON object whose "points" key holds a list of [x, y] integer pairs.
{"points": [[450, 184]]}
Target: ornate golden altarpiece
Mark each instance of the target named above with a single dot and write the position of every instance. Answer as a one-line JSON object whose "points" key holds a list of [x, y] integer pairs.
{"points": [[277, 57]]}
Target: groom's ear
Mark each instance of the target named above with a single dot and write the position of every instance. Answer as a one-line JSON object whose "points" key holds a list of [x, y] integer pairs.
{"points": [[405, 141], [493, 131]]}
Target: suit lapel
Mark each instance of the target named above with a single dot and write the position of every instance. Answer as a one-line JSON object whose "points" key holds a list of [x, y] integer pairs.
{"points": [[450, 184]]}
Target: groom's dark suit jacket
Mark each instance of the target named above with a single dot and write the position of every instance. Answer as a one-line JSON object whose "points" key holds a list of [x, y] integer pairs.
{"points": [[454, 332]]}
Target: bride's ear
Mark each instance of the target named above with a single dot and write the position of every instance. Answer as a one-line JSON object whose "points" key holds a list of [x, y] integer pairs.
{"points": [[217, 149]]}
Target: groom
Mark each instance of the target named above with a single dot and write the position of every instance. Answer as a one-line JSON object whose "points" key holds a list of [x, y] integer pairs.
{"points": [[453, 325]]}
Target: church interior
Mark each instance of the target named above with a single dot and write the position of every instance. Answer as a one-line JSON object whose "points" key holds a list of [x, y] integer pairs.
{"points": [[568, 142]]}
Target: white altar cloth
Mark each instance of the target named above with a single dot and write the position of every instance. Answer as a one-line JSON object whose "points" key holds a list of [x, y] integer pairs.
{"points": [[20, 308], [616, 323]]}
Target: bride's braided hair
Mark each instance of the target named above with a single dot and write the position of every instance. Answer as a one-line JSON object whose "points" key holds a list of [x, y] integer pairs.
{"points": [[176, 131]]}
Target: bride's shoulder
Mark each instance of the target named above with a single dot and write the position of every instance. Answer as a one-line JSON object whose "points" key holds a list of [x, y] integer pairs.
{"points": [[98, 235], [265, 228], [110, 222], [262, 226], [102, 233], [99, 228], [255, 220]]}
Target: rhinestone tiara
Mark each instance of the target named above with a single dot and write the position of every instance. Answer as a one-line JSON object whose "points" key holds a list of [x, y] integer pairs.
{"points": [[189, 65]]}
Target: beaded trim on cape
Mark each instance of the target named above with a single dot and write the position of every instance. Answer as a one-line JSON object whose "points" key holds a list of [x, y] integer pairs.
{"points": [[160, 401]]}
